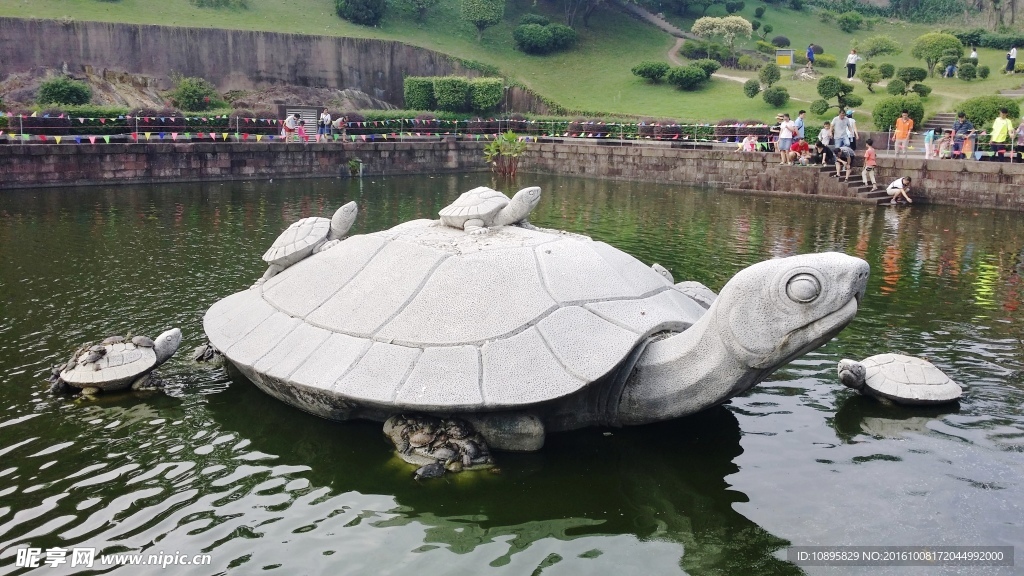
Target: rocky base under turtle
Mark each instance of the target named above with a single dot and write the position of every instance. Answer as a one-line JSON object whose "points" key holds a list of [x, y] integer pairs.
{"points": [[207, 353], [438, 445]]}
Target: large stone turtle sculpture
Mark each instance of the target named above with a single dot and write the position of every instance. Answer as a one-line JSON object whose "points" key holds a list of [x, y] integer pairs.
{"points": [[481, 208], [901, 379], [522, 331], [116, 364], [308, 236]]}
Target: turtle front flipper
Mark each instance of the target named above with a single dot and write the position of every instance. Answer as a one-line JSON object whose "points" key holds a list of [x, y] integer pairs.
{"points": [[475, 226]]}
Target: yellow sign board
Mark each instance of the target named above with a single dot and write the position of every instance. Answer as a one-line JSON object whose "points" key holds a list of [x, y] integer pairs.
{"points": [[784, 58]]}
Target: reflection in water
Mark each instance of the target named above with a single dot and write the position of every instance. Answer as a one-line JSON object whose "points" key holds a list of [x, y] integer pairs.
{"points": [[215, 466]]}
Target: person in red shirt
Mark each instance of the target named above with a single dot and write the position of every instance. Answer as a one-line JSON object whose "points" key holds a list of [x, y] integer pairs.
{"points": [[800, 152], [870, 161]]}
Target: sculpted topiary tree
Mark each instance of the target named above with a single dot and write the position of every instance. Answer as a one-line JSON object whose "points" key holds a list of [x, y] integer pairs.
{"points": [[831, 87], [879, 45], [770, 74], [933, 46], [483, 14]]}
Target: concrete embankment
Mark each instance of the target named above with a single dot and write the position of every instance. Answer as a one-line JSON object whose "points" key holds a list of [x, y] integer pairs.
{"points": [[963, 183]]}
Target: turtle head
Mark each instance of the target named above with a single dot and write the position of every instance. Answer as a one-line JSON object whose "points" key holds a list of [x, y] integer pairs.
{"points": [[778, 310], [342, 221], [520, 207], [167, 344], [852, 374]]}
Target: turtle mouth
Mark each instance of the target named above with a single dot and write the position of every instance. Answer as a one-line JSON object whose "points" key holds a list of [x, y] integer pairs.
{"points": [[828, 326]]}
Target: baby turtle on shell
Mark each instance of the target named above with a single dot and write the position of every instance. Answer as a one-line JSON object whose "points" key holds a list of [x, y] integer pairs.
{"points": [[483, 207], [306, 237], [901, 379], [121, 365], [451, 443]]}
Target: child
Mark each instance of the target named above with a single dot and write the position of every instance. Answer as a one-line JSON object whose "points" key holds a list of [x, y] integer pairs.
{"points": [[929, 138], [945, 145], [749, 144], [869, 165], [301, 131]]}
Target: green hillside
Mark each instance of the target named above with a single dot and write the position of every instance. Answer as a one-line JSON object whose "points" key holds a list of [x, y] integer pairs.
{"points": [[593, 76]]}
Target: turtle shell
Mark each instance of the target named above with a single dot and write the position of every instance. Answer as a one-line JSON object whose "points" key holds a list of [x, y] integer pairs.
{"points": [[122, 364], [481, 202], [427, 317], [908, 380], [298, 241]]}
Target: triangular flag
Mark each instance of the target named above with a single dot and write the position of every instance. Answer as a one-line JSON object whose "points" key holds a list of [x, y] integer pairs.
{"points": [[103, 120], [174, 135], [147, 135], [57, 138], [135, 136], [162, 134], [188, 135], [364, 137], [213, 136], [259, 137], [1, 132], [78, 139], [106, 139], [34, 114], [81, 120], [42, 137], [92, 139], [25, 136], [244, 136]]}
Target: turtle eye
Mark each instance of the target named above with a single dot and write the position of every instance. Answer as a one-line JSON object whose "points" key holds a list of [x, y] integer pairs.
{"points": [[803, 288]]}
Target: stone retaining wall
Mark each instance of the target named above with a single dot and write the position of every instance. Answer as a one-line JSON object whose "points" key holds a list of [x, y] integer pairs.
{"points": [[964, 183]]}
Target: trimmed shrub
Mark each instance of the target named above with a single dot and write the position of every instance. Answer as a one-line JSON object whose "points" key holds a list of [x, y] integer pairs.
{"points": [[968, 72], [776, 96], [889, 109], [765, 47], [817, 49], [850, 22], [780, 42], [870, 76], [485, 93], [747, 62], [886, 70], [770, 74], [755, 24], [687, 77], [752, 88], [759, 12], [983, 71], [912, 74], [696, 49], [535, 19], [365, 12], [827, 17], [825, 61], [651, 71], [922, 90], [896, 87], [562, 36], [819, 107], [419, 93], [733, 7], [64, 90], [707, 65], [982, 110], [533, 38], [451, 92]]}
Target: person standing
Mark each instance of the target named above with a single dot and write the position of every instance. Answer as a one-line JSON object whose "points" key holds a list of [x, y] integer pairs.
{"points": [[870, 161], [323, 126], [841, 129], [929, 140], [898, 188], [851, 64], [852, 123], [291, 123], [962, 130], [825, 134], [786, 130], [974, 55], [800, 123], [904, 125], [1002, 128], [810, 57], [1011, 60]]}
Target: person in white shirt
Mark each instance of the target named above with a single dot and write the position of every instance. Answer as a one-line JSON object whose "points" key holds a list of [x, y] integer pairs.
{"points": [[1011, 60], [899, 187], [851, 64], [852, 127], [786, 131], [290, 124], [323, 126], [841, 129]]}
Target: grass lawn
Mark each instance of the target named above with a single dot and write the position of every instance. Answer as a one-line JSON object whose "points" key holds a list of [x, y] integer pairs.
{"points": [[594, 76]]}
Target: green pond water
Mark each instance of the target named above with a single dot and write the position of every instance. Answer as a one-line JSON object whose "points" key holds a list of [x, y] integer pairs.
{"points": [[214, 466]]}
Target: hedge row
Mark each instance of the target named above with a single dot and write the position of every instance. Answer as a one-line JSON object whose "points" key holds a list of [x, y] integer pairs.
{"points": [[453, 93]]}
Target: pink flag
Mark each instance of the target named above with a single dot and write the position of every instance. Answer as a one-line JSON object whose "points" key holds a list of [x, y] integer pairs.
{"points": [[213, 136], [103, 120], [92, 139], [174, 135]]}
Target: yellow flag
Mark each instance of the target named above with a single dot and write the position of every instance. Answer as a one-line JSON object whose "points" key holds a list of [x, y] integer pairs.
{"points": [[224, 135], [147, 135], [259, 137], [57, 138]]}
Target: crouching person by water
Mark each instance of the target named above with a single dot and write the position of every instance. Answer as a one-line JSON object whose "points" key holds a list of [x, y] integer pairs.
{"points": [[899, 188]]}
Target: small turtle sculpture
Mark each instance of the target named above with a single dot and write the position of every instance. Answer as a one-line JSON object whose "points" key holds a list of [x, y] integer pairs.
{"points": [[481, 208], [522, 331], [306, 237], [438, 445], [901, 379], [206, 353], [115, 366]]}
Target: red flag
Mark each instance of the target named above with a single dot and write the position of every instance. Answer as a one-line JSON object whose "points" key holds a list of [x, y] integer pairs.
{"points": [[135, 136]]}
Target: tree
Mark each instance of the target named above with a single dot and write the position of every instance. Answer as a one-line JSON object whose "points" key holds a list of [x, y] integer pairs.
{"points": [[365, 12], [583, 9], [911, 74], [879, 45], [931, 47], [752, 88], [869, 75], [770, 74], [417, 7], [728, 28], [831, 87], [64, 90], [651, 71], [889, 109], [194, 94], [850, 21], [687, 77], [766, 30], [896, 87], [483, 14]]}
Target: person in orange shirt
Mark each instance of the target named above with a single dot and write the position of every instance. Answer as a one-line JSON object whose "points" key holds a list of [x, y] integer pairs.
{"points": [[870, 161], [904, 124]]}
